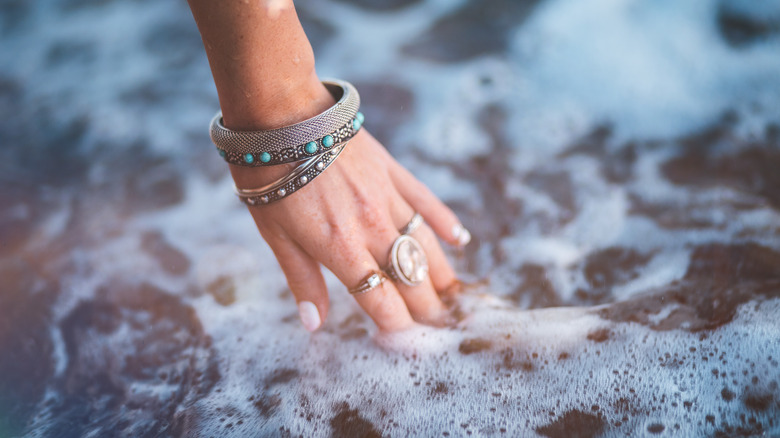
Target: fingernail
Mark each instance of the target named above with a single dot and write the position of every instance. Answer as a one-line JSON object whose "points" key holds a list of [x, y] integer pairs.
{"points": [[310, 316], [461, 234]]}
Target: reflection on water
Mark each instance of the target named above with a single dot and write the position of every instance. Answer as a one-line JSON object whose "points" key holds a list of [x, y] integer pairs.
{"points": [[615, 161]]}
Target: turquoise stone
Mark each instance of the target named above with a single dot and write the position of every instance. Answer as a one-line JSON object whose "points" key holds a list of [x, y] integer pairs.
{"points": [[327, 141], [221, 153], [311, 147], [249, 158], [360, 117], [356, 124], [265, 157]]}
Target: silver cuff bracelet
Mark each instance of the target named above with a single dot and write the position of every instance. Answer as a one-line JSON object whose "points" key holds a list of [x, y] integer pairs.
{"points": [[297, 142]]}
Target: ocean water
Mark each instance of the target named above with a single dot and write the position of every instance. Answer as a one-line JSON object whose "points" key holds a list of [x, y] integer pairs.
{"points": [[618, 164]]}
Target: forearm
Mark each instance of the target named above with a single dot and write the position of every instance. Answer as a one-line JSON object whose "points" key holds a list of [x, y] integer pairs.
{"points": [[262, 62], [263, 67]]}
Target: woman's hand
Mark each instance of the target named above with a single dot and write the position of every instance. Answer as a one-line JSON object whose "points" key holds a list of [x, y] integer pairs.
{"points": [[347, 220]]}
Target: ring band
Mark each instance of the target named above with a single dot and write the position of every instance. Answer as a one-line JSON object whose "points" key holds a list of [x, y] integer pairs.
{"points": [[408, 263], [373, 280], [414, 223]]}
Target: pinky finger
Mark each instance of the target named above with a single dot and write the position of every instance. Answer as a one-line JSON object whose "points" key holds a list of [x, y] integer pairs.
{"points": [[440, 218]]}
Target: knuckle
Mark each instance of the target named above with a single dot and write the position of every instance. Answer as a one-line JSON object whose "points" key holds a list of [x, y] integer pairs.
{"points": [[370, 214], [336, 234]]}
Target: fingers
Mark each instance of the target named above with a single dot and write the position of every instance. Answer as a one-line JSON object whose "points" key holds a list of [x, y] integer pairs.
{"points": [[383, 303], [348, 222], [421, 300], [441, 219], [352, 266], [305, 281], [441, 273], [385, 306]]}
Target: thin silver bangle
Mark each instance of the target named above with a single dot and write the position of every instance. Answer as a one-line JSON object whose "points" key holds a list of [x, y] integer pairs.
{"points": [[282, 188]]}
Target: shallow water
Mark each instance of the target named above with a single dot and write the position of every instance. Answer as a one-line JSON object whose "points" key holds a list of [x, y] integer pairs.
{"points": [[617, 163]]}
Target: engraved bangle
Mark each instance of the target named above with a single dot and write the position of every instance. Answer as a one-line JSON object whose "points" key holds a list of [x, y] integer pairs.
{"points": [[292, 182], [296, 142]]}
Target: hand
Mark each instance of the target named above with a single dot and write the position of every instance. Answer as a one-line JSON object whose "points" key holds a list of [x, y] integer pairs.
{"points": [[347, 220]]}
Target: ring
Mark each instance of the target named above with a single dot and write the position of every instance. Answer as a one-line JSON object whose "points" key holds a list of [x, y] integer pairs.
{"points": [[414, 223], [373, 280], [408, 263]]}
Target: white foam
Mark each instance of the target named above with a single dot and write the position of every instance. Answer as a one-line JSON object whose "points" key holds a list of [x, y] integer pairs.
{"points": [[660, 70], [653, 71]]}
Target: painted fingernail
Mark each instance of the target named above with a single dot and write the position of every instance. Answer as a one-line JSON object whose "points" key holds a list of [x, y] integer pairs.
{"points": [[461, 234], [310, 316]]}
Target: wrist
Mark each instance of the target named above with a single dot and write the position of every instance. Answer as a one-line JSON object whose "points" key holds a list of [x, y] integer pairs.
{"points": [[261, 61], [282, 107], [273, 104]]}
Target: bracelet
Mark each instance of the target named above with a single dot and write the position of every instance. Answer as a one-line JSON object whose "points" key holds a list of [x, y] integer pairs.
{"points": [[296, 142], [292, 182]]}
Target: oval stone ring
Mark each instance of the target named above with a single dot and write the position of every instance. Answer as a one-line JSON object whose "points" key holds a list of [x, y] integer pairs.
{"points": [[408, 263]]}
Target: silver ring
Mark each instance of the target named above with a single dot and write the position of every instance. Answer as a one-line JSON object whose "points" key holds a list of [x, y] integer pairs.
{"points": [[370, 282], [408, 263], [414, 223]]}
